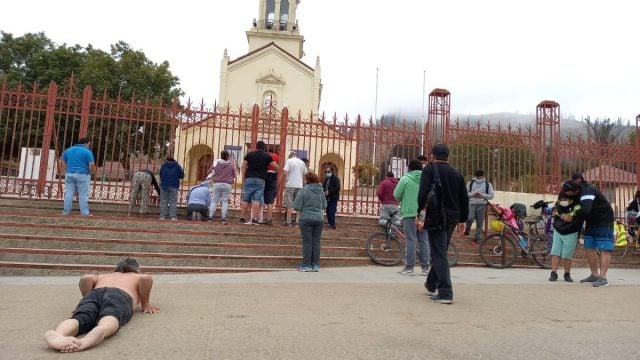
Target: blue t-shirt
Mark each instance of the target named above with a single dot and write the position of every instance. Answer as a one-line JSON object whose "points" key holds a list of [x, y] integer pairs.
{"points": [[78, 157]]}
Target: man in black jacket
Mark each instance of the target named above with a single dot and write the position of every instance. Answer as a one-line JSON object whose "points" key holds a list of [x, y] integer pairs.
{"points": [[598, 218], [331, 188], [455, 201]]}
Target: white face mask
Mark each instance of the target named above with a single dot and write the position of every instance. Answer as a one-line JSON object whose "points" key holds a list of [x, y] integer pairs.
{"points": [[564, 203]]}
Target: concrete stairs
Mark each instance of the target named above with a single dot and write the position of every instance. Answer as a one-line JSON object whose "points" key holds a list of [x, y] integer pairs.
{"points": [[36, 240]]}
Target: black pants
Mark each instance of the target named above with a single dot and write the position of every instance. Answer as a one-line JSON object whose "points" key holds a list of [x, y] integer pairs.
{"points": [[439, 277]]}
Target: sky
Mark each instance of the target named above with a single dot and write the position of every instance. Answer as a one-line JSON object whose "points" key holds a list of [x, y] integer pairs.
{"points": [[377, 56]]}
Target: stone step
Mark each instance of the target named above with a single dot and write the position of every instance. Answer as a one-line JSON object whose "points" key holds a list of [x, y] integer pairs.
{"points": [[8, 268], [177, 246], [36, 255]]}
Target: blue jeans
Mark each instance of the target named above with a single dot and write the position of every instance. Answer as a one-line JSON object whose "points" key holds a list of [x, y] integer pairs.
{"points": [[332, 208], [252, 190], [169, 202], [311, 231], [79, 183], [439, 277], [413, 235], [221, 192]]}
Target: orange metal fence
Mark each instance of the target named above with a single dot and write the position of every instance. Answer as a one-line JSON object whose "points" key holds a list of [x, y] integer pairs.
{"points": [[36, 125]]}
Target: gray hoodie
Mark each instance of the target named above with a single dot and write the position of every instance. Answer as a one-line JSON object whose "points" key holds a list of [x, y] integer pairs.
{"points": [[310, 202], [479, 185]]}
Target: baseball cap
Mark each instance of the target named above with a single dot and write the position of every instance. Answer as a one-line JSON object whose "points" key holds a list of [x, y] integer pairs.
{"points": [[570, 185]]}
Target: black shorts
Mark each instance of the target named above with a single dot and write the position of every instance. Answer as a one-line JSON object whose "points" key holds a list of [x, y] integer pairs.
{"points": [[103, 302], [270, 188]]}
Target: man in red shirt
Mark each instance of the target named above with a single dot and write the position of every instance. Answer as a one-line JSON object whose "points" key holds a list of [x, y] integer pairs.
{"points": [[389, 204]]}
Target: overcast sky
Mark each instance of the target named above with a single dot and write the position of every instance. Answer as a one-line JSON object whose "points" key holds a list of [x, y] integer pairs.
{"points": [[492, 55]]}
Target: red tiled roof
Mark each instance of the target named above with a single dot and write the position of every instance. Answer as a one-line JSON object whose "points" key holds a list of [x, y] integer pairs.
{"points": [[609, 174]]}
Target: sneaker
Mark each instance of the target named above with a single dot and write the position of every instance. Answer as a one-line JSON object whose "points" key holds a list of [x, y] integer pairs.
{"points": [[266, 222], [304, 268], [429, 292], [284, 223], [332, 227], [224, 221], [161, 218], [316, 268], [174, 219], [553, 276], [567, 277], [407, 271], [254, 222], [601, 282], [439, 300], [425, 271], [589, 279], [243, 220]]}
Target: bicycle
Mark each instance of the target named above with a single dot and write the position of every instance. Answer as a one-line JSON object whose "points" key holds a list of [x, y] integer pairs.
{"points": [[500, 249], [630, 246], [387, 247], [537, 224]]}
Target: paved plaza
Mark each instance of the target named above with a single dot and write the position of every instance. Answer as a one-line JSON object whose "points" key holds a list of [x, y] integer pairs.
{"points": [[344, 313]]}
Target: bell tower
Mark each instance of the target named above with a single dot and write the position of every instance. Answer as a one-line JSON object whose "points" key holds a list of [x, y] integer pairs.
{"points": [[277, 23]]}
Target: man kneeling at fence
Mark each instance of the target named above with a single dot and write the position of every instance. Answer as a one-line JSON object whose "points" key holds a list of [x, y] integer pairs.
{"points": [[108, 302]]}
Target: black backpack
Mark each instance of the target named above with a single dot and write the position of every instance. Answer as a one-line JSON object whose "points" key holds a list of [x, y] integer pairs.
{"points": [[435, 218]]}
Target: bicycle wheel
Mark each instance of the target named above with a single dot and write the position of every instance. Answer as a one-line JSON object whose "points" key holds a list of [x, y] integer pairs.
{"points": [[384, 249], [498, 251], [452, 254], [619, 252], [541, 251]]}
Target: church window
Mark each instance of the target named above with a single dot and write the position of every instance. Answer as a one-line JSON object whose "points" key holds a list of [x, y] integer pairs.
{"points": [[269, 99], [284, 14], [271, 14]]}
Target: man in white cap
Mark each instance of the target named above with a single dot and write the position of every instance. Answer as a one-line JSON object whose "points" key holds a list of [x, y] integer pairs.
{"points": [[294, 172]]}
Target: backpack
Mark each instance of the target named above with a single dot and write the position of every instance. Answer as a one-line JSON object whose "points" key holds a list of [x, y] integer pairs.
{"points": [[519, 210], [435, 218], [486, 183]]}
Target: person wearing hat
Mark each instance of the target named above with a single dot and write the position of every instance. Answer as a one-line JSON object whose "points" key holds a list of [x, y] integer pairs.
{"points": [[294, 171], [198, 201], [454, 199], [597, 214], [480, 192], [77, 164]]}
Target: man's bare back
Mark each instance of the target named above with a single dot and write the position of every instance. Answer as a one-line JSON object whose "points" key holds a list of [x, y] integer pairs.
{"points": [[126, 279]]}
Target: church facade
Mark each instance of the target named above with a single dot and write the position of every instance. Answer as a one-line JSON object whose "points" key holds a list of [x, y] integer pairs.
{"points": [[255, 89]]}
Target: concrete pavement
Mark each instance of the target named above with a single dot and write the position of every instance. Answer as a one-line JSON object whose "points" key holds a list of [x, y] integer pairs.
{"points": [[344, 313]]}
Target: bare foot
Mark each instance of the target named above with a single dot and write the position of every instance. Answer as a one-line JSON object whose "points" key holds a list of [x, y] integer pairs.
{"points": [[93, 338], [59, 342]]}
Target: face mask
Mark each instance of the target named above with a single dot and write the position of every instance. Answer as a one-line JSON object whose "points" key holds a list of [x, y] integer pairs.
{"points": [[564, 203], [327, 174]]}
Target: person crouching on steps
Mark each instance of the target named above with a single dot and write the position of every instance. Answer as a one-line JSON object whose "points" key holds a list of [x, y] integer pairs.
{"points": [[310, 202], [565, 236]]}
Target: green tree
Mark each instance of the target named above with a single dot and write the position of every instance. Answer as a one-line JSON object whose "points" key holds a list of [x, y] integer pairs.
{"points": [[366, 171], [123, 72], [602, 131]]}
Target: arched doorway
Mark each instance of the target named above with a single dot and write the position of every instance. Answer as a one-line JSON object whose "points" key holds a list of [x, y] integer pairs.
{"points": [[203, 166]]}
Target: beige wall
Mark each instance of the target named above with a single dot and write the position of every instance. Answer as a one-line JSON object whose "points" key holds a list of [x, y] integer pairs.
{"points": [[248, 80]]}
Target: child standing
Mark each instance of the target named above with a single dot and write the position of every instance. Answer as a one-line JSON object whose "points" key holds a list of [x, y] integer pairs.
{"points": [[565, 236]]}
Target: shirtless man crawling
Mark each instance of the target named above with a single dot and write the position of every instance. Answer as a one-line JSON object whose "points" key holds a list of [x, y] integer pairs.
{"points": [[108, 302]]}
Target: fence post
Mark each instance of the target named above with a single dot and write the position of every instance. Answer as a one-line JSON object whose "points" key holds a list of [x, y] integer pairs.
{"points": [[87, 93], [46, 139]]}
